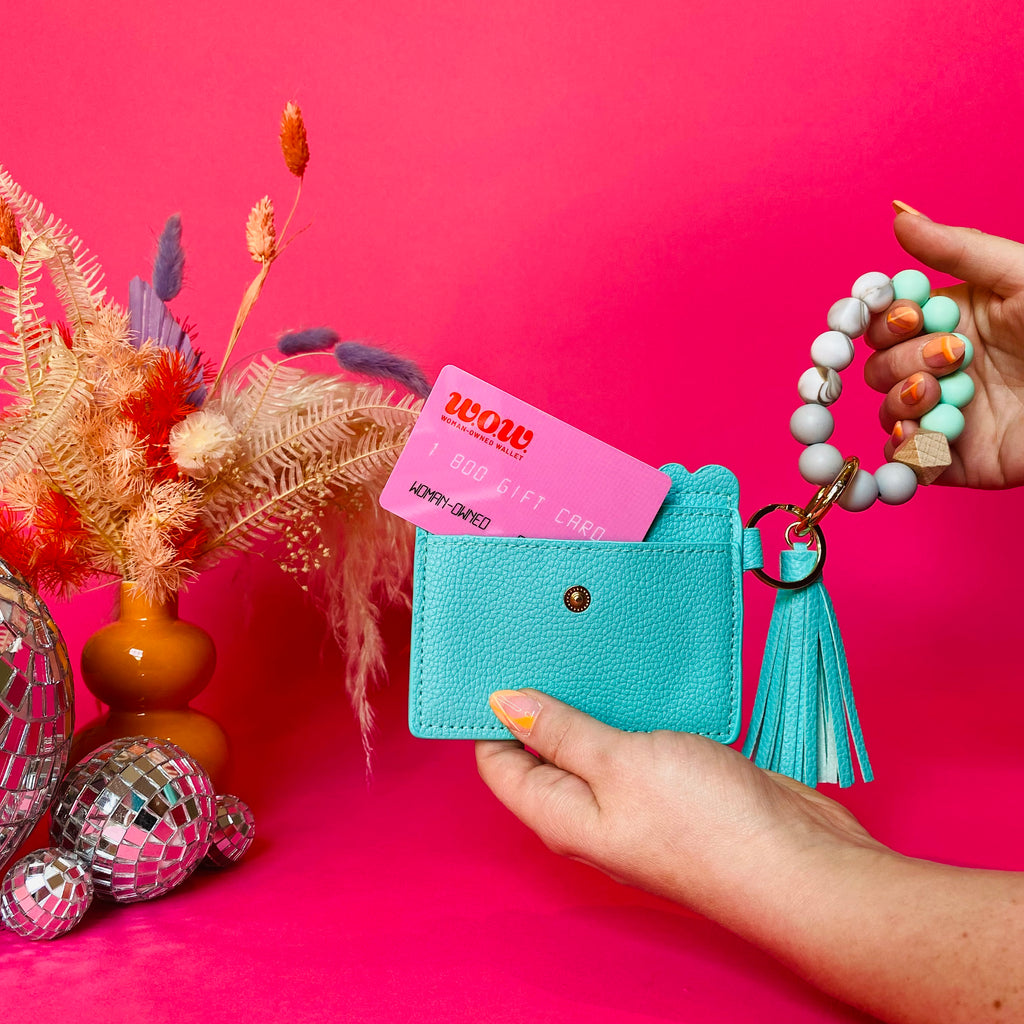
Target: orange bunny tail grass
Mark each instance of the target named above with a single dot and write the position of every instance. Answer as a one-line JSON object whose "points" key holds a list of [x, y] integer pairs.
{"points": [[9, 236], [294, 145]]}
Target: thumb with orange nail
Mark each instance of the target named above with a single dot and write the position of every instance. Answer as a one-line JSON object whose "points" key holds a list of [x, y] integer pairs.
{"points": [[989, 453]]}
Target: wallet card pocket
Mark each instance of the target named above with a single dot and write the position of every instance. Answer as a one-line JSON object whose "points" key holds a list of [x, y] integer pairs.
{"points": [[657, 645]]}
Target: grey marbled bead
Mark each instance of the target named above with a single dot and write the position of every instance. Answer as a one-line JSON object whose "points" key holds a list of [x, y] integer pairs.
{"points": [[820, 464], [874, 289], [832, 349], [896, 483], [819, 384], [812, 424], [859, 493], [850, 316]]}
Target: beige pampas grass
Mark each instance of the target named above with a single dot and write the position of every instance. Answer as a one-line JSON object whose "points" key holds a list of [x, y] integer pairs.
{"points": [[260, 232], [294, 145]]}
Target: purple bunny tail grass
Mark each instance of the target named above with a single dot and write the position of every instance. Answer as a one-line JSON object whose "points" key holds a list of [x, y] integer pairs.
{"points": [[316, 339], [375, 362], [169, 265]]}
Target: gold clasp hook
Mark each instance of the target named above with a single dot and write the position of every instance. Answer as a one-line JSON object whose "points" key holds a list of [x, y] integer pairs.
{"points": [[807, 520], [825, 497]]}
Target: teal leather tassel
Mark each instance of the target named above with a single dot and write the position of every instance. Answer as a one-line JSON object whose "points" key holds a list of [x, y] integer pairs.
{"points": [[804, 717]]}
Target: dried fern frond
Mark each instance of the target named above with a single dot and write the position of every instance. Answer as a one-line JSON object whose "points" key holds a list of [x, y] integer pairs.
{"points": [[23, 350], [284, 417], [299, 488], [266, 390], [309, 432], [68, 467], [27, 432], [76, 275]]}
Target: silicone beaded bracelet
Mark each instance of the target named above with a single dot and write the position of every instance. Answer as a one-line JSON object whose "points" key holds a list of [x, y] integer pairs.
{"points": [[921, 458]]}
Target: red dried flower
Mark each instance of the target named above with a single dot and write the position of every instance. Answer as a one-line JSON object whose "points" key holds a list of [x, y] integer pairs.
{"points": [[188, 543], [51, 552], [162, 402], [15, 549], [60, 569]]}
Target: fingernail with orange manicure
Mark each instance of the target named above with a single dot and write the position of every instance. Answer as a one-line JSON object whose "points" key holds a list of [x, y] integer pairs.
{"points": [[913, 390], [897, 434], [900, 207], [944, 350], [517, 711], [904, 319]]}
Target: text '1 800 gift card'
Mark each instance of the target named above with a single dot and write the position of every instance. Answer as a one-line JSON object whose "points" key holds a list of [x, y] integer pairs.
{"points": [[480, 461]]}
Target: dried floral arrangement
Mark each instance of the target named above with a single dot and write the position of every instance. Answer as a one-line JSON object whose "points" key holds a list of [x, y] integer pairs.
{"points": [[124, 455]]}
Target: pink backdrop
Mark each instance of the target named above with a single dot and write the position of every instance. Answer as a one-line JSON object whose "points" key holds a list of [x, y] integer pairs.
{"points": [[635, 217]]}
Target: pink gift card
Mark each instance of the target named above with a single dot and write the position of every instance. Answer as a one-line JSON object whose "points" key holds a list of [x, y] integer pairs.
{"points": [[480, 461]]}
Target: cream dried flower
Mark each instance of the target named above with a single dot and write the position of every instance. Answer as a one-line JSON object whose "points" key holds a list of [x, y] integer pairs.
{"points": [[260, 232], [294, 145], [202, 443]]}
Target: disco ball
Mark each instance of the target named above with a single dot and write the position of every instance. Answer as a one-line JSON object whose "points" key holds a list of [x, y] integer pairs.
{"points": [[36, 710], [45, 894], [233, 832], [139, 812]]}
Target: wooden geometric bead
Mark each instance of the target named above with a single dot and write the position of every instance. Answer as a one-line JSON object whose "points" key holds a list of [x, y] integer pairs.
{"points": [[926, 453]]}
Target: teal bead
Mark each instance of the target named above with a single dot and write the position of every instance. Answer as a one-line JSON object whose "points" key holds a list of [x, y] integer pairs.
{"points": [[968, 351], [946, 419], [957, 389], [913, 285], [941, 314]]}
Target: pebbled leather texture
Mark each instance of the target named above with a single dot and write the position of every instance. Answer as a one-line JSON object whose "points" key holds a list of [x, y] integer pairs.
{"points": [[658, 647]]}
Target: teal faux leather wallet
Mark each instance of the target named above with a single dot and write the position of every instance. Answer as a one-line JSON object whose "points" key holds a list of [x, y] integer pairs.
{"points": [[641, 635]]}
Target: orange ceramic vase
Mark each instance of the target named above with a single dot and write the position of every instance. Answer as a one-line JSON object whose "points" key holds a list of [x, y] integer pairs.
{"points": [[147, 665]]}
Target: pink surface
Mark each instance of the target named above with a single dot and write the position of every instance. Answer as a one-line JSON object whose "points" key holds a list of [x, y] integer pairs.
{"points": [[633, 217]]}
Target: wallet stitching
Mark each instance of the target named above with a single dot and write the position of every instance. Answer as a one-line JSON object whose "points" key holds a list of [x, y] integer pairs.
{"points": [[655, 548]]}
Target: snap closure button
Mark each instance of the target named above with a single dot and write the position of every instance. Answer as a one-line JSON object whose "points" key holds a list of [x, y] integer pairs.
{"points": [[577, 599]]}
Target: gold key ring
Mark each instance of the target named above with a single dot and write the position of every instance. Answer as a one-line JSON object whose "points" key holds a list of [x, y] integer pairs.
{"points": [[819, 541], [807, 520]]}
